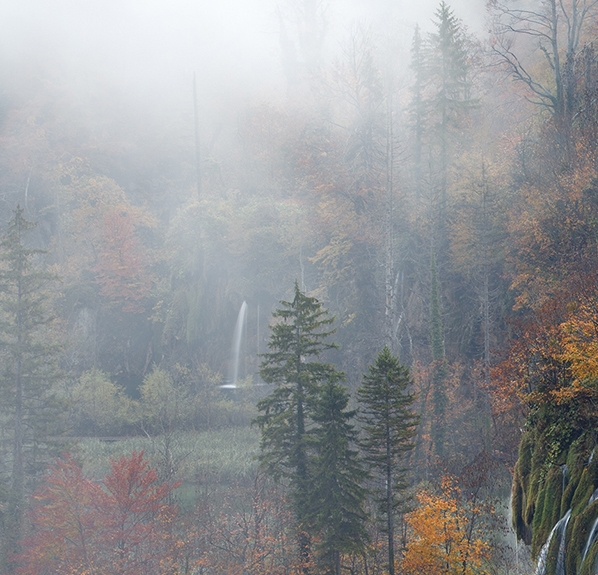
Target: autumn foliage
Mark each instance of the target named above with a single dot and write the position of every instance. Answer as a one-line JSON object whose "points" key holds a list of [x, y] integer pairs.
{"points": [[121, 266], [444, 539], [121, 526], [552, 359], [255, 538]]}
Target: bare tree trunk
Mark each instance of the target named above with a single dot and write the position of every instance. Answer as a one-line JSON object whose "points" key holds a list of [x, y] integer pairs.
{"points": [[389, 271]]}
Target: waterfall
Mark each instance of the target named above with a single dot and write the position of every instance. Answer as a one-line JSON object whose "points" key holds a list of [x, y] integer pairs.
{"points": [[560, 559], [564, 471], [560, 528], [590, 540], [236, 348]]}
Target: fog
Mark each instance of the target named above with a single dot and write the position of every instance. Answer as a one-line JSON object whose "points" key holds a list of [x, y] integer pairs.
{"points": [[150, 50]]}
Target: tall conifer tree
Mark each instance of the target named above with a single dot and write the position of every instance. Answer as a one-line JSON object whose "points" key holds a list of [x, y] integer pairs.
{"points": [[28, 359], [292, 365], [388, 429], [447, 68], [418, 108], [339, 518]]}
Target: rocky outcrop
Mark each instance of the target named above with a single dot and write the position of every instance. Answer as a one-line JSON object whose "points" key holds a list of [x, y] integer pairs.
{"points": [[555, 498]]}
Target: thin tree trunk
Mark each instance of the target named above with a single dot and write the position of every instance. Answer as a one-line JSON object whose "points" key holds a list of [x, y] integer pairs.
{"points": [[389, 291], [389, 506]]}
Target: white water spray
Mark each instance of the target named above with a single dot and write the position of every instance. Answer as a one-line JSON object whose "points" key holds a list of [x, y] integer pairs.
{"points": [[236, 348], [559, 529]]}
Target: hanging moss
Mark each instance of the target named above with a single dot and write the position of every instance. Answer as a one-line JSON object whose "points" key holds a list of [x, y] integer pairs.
{"points": [[550, 478], [577, 457], [524, 461], [548, 508], [523, 509], [585, 488], [535, 481], [577, 536], [517, 505], [589, 565], [553, 551], [555, 473]]}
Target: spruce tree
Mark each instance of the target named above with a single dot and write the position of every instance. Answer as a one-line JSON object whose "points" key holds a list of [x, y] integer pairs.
{"points": [[292, 365], [385, 409], [418, 108], [441, 97], [28, 358], [338, 497], [447, 67]]}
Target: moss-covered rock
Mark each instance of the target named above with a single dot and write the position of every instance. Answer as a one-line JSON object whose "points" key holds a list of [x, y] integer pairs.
{"points": [[548, 510], [577, 535], [589, 565], [555, 472]]}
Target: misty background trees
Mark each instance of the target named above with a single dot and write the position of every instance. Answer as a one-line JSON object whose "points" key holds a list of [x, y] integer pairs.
{"points": [[406, 216]]}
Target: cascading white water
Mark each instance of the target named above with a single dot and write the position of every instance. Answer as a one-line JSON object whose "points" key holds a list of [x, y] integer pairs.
{"points": [[560, 528], [590, 540], [236, 348], [564, 473], [593, 531], [560, 559]]}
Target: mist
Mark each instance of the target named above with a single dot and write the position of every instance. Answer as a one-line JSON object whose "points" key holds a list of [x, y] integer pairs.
{"points": [[229, 230], [147, 52]]}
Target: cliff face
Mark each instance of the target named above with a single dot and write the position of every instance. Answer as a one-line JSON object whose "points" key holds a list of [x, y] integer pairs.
{"points": [[555, 497]]}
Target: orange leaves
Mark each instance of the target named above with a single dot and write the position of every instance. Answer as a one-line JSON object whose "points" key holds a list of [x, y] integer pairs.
{"points": [[553, 234], [444, 541], [123, 525], [554, 357], [579, 342]]}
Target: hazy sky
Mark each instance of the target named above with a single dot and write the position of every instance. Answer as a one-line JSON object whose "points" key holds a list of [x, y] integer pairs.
{"points": [[145, 37], [141, 46]]}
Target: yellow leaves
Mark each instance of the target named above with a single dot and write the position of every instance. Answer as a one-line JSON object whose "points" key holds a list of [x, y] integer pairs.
{"points": [[554, 359], [332, 257], [99, 403], [579, 342], [443, 540]]}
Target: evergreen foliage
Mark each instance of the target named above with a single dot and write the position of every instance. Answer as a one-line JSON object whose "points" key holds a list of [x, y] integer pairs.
{"points": [[418, 107], [292, 365], [337, 503], [388, 429], [442, 67], [448, 66], [29, 359]]}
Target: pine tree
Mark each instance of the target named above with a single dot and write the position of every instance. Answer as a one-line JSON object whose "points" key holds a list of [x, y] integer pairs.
{"points": [[388, 429], [28, 363], [292, 365], [418, 108], [338, 498], [449, 86]]}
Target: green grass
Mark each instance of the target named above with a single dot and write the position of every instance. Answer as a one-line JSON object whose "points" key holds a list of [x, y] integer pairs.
{"points": [[210, 457]]}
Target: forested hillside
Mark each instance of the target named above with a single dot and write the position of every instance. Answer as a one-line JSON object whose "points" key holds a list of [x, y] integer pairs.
{"points": [[320, 330]]}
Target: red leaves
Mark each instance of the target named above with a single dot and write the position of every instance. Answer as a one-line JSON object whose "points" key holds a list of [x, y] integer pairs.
{"points": [[122, 526], [552, 358], [121, 266]]}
